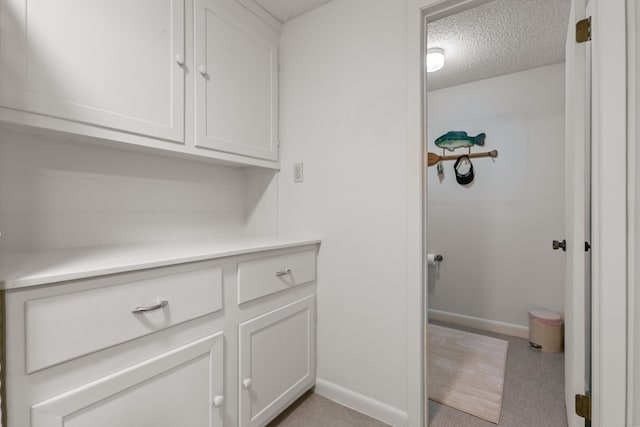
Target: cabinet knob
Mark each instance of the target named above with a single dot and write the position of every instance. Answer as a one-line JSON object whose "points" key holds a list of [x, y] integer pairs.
{"points": [[203, 70], [218, 401], [179, 59], [247, 383]]}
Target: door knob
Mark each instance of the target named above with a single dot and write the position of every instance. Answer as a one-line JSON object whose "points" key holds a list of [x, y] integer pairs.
{"points": [[560, 245], [247, 383]]}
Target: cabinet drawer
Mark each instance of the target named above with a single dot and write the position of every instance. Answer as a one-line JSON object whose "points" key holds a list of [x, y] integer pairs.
{"points": [[63, 327], [265, 276]]}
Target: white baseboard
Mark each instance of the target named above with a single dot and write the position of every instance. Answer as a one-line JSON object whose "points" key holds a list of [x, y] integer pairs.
{"points": [[361, 403], [482, 324]]}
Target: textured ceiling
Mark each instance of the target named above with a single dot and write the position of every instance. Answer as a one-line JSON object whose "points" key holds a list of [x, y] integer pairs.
{"points": [[285, 10], [500, 37]]}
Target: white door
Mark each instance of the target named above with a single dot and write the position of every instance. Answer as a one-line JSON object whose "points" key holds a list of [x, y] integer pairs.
{"points": [[277, 360], [577, 221], [115, 64], [183, 387], [236, 81]]}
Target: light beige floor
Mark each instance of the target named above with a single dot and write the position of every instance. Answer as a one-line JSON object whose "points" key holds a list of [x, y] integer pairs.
{"points": [[533, 397], [533, 390], [312, 410]]}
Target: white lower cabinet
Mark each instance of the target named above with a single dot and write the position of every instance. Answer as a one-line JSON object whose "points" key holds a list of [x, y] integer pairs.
{"points": [[172, 346], [183, 387], [277, 360]]}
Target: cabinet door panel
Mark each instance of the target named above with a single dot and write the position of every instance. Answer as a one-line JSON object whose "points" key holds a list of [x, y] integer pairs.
{"points": [[177, 388], [106, 63], [277, 360], [236, 80]]}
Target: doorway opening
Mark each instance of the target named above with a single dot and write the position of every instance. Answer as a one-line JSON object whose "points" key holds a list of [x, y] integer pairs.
{"points": [[499, 190]]}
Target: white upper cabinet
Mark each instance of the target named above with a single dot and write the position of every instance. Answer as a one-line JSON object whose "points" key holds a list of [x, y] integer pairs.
{"points": [[192, 77], [117, 64], [236, 81]]}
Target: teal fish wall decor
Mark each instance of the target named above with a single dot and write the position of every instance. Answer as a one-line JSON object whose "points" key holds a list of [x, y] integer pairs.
{"points": [[452, 140]]}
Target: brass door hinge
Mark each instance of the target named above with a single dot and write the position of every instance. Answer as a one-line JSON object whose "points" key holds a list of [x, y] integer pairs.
{"points": [[583, 30], [583, 406]]}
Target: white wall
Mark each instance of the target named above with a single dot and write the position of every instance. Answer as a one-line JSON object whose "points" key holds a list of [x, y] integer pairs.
{"points": [[495, 235], [59, 194], [635, 304], [343, 114], [636, 292], [634, 221]]}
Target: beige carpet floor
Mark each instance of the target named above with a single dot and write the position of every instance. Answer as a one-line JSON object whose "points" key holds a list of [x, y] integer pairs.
{"points": [[312, 410], [466, 371], [533, 390], [533, 397]]}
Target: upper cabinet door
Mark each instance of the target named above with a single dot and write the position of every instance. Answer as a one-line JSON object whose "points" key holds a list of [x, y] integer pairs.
{"points": [[236, 89], [116, 64]]}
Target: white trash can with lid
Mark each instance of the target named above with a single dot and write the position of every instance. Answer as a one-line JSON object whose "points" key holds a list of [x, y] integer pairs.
{"points": [[545, 331]]}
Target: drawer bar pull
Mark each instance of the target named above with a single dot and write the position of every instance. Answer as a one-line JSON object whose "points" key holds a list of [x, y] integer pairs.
{"points": [[283, 272], [154, 307]]}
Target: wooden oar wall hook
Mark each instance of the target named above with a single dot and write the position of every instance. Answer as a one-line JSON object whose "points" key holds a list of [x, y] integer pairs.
{"points": [[433, 158], [453, 140]]}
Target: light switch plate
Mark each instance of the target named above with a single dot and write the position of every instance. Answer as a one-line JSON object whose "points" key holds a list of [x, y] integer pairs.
{"points": [[298, 172]]}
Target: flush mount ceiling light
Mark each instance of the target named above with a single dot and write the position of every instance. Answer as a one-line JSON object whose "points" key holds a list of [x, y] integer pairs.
{"points": [[435, 59]]}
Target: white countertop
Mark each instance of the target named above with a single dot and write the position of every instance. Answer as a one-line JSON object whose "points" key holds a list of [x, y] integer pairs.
{"points": [[22, 269]]}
